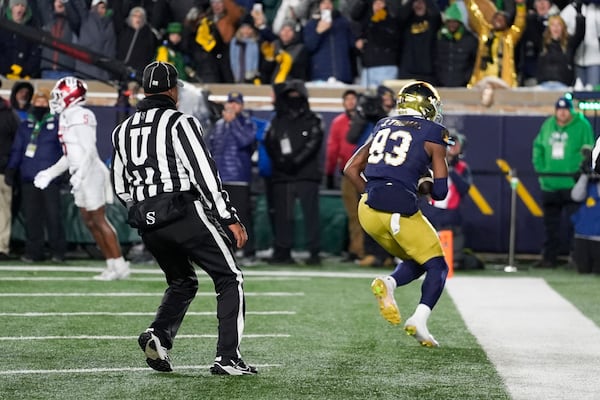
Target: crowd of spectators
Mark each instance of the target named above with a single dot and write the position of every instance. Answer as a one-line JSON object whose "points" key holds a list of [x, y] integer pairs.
{"points": [[456, 43], [285, 43]]}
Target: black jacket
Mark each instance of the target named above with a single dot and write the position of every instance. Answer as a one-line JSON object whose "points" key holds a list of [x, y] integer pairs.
{"points": [[418, 41], [454, 58], [304, 130], [382, 46], [9, 123], [554, 64]]}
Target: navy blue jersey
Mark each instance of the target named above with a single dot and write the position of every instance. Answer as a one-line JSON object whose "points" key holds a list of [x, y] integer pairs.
{"points": [[397, 158]]}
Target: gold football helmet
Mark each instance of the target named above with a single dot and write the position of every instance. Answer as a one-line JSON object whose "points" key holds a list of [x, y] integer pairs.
{"points": [[420, 98]]}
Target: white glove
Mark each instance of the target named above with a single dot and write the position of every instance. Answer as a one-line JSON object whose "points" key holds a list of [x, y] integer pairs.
{"points": [[42, 179], [75, 181]]}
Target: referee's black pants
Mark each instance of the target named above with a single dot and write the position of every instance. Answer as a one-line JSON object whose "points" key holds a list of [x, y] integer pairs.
{"points": [[197, 238]]}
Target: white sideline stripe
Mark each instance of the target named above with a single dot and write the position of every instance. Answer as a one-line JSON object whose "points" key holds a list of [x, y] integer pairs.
{"points": [[69, 278], [542, 346], [176, 369], [129, 314], [157, 271], [95, 337], [142, 294], [130, 279]]}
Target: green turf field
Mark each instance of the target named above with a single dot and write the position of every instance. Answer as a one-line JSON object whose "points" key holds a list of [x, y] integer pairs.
{"points": [[65, 336]]}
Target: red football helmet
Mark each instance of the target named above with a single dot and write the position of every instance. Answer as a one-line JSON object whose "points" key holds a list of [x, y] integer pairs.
{"points": [[67, 92]]}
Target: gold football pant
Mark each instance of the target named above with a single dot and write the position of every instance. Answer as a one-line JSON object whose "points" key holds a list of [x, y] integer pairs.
{"points": [[406, 237]]}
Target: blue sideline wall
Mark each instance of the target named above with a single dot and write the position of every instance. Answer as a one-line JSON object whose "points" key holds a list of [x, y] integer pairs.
{"points": [[490, 137]]}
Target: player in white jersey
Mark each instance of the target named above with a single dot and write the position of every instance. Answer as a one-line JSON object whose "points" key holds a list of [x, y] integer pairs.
{"points": [[90, 178]]}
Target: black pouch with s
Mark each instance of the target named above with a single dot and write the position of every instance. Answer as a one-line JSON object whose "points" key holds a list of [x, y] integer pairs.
{"points": [[160, 210]]}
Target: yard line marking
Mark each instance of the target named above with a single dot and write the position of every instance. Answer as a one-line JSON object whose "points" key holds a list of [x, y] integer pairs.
{"points": [[130, 279], [129, 314], [157, 271], [55, 268], [68, 278], [142, 294], [122, 369], [96, 337]]}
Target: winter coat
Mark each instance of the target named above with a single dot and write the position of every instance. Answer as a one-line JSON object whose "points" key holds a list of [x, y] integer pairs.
{"points": [[231, 144], [209, 53], [171, 53], [289, 61], [136, 48], [455, 56], [571, 138], [331, 51], [339, 150], [382, 35], [21, 111], [48, 148], [305, 134], [158, 12], [588, 52], [530, 46], [556, 64], [488, 58], [63, 27], [9, 123], [97, 34], [17, 50], [418, 41]]}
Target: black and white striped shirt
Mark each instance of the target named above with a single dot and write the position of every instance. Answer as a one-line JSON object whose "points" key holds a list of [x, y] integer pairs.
{"points": [[159, 149]]}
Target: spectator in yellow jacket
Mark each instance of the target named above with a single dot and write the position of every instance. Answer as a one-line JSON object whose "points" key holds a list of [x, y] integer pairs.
{"points": [[497, 41]]}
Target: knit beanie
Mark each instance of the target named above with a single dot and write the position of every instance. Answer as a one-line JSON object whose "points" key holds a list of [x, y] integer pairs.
{"points": [[453, 13]]}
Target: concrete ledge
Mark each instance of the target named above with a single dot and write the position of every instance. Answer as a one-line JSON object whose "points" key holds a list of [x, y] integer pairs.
{"points": [[520, 101]]}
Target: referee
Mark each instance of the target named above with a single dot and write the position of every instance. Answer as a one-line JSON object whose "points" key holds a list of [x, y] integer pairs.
{"points": [[167, 179]]}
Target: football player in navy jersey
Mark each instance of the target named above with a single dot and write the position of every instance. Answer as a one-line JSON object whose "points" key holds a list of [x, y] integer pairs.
{"points": [[387, 170]]}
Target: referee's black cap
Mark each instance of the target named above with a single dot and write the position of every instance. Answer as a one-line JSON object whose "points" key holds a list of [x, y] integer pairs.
{"points": [[159, 77]]}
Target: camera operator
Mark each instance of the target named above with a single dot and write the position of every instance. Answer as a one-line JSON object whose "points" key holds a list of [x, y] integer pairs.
{"points": [[372, 106]]}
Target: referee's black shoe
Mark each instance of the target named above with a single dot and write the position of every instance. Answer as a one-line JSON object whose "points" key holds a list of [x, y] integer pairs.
{"points": [[157, 356], [231, 366]]}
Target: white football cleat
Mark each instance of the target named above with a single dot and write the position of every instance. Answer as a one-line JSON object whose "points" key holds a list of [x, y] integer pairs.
{"points": [[115, 272], [418, 329], [383, 289], [122, 270], [105, 275]]}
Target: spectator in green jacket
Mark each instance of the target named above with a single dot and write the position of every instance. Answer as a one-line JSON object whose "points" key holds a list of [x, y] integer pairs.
{"points": [[556, 159], [171, 49]]}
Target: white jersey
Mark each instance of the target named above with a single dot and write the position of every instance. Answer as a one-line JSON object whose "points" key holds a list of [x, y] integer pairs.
{"points": [[77, 134], [588, 51]]}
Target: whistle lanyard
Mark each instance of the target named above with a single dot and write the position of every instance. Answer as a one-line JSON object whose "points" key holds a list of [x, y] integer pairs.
{"points": [[38, 127], [32, 147]]}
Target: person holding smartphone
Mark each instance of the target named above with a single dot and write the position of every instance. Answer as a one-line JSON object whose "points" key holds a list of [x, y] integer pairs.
{"points": [[330, 42]]}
